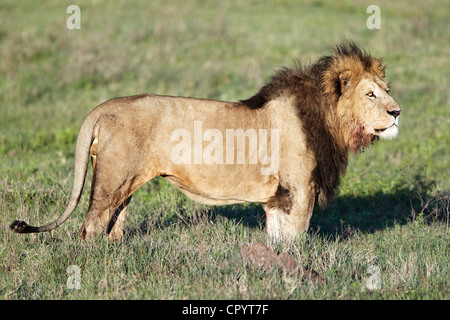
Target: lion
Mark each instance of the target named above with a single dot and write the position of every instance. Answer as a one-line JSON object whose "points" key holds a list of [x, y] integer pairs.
{"points": [[316, 115]]}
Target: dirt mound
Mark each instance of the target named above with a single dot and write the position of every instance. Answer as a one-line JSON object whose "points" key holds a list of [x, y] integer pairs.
{"points": [[260, 256]]}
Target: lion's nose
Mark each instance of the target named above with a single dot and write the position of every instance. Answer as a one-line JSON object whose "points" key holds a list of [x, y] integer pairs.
{"points": [[394, 113]]}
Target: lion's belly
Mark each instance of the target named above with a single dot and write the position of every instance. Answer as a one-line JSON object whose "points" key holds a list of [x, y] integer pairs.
{"points": [[216, 188]]}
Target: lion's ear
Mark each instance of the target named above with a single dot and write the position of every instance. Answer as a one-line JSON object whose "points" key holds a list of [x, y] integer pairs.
{"points": [[344, 78]]}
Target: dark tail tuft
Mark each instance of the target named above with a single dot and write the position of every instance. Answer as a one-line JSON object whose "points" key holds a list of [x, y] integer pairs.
{"points": [[19, 227]]}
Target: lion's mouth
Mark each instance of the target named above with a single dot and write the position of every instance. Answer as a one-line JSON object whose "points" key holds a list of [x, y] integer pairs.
{"points": [[389, 132], [384, 129]]}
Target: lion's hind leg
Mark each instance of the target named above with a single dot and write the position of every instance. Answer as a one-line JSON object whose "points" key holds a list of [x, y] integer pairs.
{"points": [[107, 212], [117, 222], [108, 208]]}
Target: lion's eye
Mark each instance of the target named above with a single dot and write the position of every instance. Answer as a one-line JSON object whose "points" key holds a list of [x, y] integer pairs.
{"points": [[371, 94]]}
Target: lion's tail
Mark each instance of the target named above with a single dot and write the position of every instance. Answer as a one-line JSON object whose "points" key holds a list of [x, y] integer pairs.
{"points": [[84, 141]]}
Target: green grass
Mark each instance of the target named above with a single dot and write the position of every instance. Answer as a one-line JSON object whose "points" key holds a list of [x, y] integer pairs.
{"points": [[393, 205]]}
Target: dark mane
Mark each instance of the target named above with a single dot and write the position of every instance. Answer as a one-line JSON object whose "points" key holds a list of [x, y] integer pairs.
{"points": [[323, 73], [316, 90]]}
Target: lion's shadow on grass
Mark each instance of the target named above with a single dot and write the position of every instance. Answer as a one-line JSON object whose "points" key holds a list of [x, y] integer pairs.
{"points": [[348, 214], [344, 216]]}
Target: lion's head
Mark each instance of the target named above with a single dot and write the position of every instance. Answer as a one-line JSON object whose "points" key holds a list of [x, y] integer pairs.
{"points": [[356, 83]]}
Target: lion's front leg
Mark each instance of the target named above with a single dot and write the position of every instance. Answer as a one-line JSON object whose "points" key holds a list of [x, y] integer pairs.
{"points": [[285, 223]]}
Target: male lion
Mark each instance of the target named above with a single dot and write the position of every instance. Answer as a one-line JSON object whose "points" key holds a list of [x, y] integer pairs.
{"points": [[315, 114]]}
